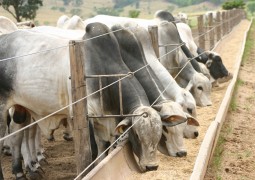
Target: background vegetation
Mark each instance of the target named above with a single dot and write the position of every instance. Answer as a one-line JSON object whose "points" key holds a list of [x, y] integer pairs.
{"points": [[48, 11]]}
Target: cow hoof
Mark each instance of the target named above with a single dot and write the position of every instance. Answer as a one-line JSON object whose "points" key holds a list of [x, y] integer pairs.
{"points": [[7, 151], [51, 139], [43, 162], [67, 137], [23, 177], [35, 175]]}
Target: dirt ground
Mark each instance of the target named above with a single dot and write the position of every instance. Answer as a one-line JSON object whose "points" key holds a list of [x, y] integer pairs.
{"points": [[237, 151], [61, 153]]}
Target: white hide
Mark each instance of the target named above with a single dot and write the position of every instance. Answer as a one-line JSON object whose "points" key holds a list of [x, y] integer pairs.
{"points": [[7, 26]]}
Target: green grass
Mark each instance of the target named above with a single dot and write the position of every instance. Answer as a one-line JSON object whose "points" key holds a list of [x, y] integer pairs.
{"points": [[233, 103], [249, 44], [215, 163]]}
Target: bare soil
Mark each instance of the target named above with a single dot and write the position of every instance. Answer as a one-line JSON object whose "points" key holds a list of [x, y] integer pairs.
{"points": [[61, 153], [237, 158]]}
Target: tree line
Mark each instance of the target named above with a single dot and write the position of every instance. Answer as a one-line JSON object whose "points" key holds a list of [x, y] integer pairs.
{"points": [[26, 9]]}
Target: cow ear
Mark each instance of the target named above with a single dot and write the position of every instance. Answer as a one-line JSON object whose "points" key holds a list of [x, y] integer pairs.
{"points": [[191, 120], [210, 54], [157, 107], [208, 63], [123, 125], [173, 120], [189, 86]]}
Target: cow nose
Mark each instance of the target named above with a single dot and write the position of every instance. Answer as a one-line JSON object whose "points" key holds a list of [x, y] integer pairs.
{"points": [[181, 153], [196, 134], [189, 111], [151, 168], [209, 103]]}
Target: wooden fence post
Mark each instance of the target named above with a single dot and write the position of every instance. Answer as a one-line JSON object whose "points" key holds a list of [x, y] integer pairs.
{"points": [[81, 125], [153, 30], [228, 21], [218, 28], [200, 28], [223, 19], [211, 29]]}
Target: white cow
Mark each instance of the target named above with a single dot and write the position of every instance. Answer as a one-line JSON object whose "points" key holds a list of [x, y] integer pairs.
{"points": [[61, 21], [74, 23], [183, 17]]}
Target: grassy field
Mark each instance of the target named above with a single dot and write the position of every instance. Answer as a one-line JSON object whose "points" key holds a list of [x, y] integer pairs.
{"points": [[51, 10]]}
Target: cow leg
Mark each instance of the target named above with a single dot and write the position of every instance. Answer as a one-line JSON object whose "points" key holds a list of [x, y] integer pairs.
{"points": [[16, 142], [67, 134], [7, 144], [2, 132], [38, 146], [29, 153]]}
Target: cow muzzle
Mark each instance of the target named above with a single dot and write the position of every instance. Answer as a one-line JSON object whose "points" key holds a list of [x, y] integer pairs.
{"points": [[181, 154], [151, 168]]}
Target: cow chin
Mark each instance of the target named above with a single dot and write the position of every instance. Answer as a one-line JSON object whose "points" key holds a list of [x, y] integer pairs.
{"points": [[202, 98], [174, 141], [148, 159]]}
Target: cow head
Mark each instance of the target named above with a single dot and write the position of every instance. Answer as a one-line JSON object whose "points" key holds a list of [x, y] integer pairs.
{"points": [[187, 101], [164, 15], [202, 57], [190, 130], [172, 136], [144, 136], [200, 87], [215, 65], [188, 104]]}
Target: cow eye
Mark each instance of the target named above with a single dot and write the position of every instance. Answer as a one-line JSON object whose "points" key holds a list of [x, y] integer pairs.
{"points": [[189, 110], [200, 88]]}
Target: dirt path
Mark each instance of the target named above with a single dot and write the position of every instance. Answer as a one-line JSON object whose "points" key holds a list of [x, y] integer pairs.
{"points": [[61, 154], [235, 158]]}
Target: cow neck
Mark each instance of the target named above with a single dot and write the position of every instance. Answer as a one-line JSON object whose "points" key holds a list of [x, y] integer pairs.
{"points": [[166, 16], [133, 55], [103, 57], [168, 36], [188, 71]]}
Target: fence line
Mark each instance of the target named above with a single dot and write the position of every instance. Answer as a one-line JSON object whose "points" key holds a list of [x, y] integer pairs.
{"points": [[228, 21]]}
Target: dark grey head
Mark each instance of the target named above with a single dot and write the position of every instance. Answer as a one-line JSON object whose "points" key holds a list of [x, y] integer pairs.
{"points": [[202, 56], [164, 15], [216, 67]]}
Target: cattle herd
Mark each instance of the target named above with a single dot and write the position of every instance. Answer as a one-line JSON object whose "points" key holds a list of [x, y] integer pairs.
{"points": [[158, 95]]}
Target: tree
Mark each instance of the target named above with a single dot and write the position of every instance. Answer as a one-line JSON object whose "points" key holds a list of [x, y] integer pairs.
{"points": [[233, 4], [123, 3], [133, 13], [22, 9], [251, 7], [108, 11]]}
